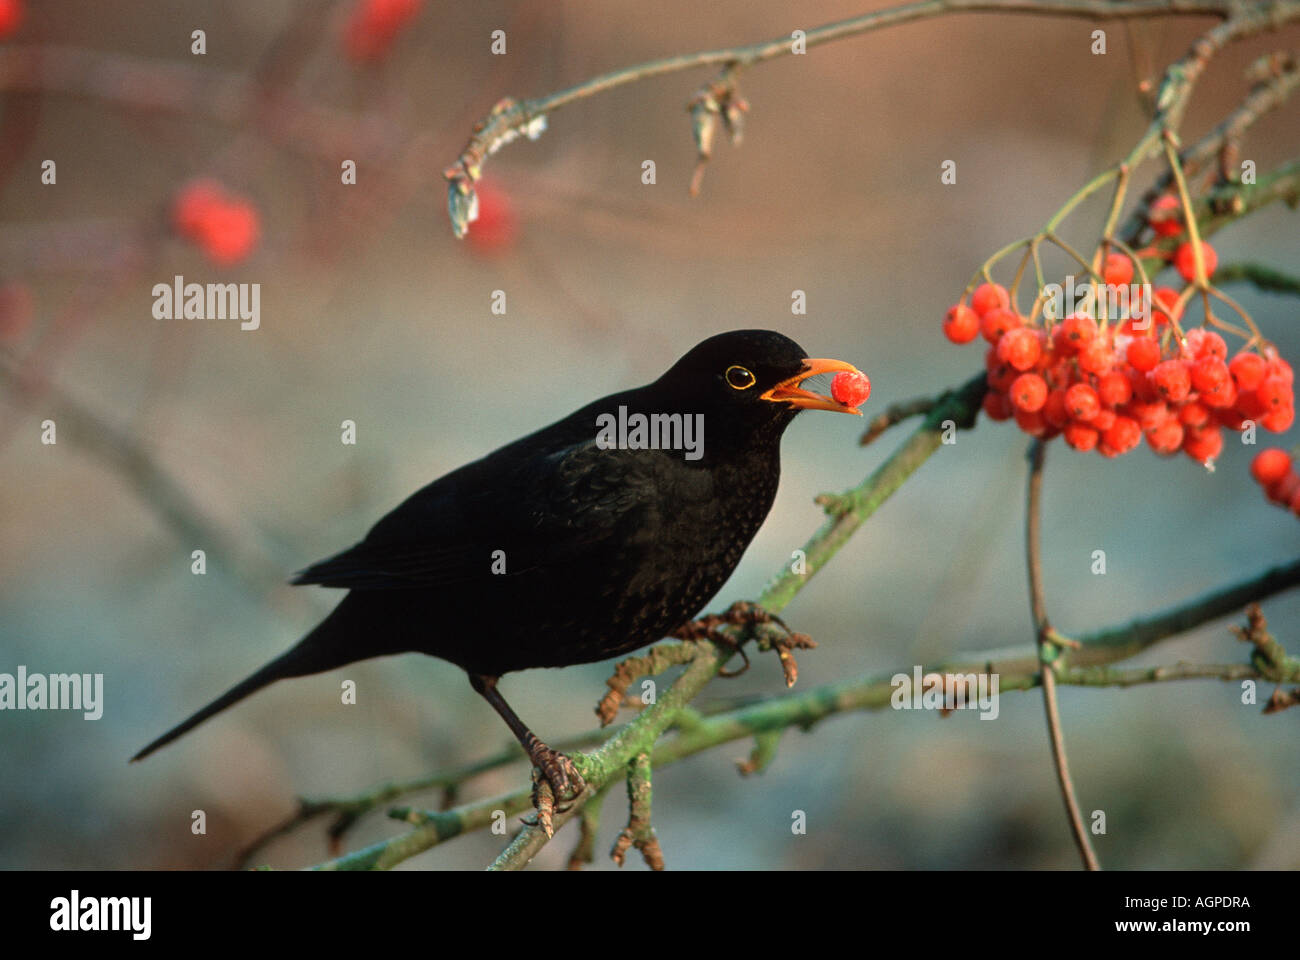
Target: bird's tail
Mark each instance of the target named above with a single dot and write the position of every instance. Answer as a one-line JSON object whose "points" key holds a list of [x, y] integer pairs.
{"points": [[315, 653]]}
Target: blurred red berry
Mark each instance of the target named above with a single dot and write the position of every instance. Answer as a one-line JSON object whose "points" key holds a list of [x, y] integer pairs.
{"points": [[1166, 215], [1202, 342], [495, 230], [1081, 436], [1124, 434], [11, 16], [1279, 420], [1270, 465], [1113, 389], [17, 308], [1103, 419], [1172, 380], [1166, 438], [1097, 357], [223, 226], [1029, 392], [1274, 392], [1248, 370], [989, 296], [1203, 444], [1193, 414], [1074, 333], [374, 24], [1081, 401], [1283, 490], [997, 406], [1118, 270], [996, 322], [1185, 260], [1020, 348], [1143, 354], [961, 324], [1209, 373]]}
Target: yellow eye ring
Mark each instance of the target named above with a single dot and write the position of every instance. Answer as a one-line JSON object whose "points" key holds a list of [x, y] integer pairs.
{"points": [[738, 377]]}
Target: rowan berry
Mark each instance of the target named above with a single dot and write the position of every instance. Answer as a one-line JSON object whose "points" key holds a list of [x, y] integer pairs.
{"points": [[1270, 465], [1020, 348], [961, 324], [989, 296]]}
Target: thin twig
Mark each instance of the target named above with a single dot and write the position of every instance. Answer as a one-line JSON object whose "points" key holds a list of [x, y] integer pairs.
{"points": [[1048, 650]]}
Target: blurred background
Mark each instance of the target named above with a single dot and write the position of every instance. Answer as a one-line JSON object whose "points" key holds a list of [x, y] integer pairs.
{"points": [[372, 311]]}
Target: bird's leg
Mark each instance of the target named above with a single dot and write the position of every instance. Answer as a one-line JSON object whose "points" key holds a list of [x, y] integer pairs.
{"points": [[558, 771]]}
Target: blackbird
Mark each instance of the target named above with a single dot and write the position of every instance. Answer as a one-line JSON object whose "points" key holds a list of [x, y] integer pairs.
{"points": [[594, 536]]}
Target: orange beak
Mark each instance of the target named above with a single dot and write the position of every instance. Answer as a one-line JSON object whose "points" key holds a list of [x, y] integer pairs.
{"points": [[789, 391]]}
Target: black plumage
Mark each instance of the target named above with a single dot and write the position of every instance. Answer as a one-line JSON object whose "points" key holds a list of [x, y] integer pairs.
{"points": [[555, 549]]}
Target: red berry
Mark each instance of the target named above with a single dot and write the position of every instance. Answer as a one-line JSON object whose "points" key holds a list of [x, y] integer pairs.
{"points": [[850, 389], [375, 24], [1124, 434], [997, 406], [1054, 411], [1248, 370], [1278, 367], [1274, 392], [1209, 373], [494, 230], [1081, 436], [996, 322], [1279, 420], [11, 16], [1282, 491], [1172, 381], [1118, 270], [1020, 348], [1203, 444], [989, 296], [223, 226], [1113, 389], [1166, 215], [961, 324], [1149, 413], [1202, 342], [1082, 402], [1097, 357], [1143, 354], [1031, 422], [1270, 465], [1029, 392], [1185, 260], [1222, 396], [1193, 414], [1104, 419], [1167, 437], [1075, 332]]}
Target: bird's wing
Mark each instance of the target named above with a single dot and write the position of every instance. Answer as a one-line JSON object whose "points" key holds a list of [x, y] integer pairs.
{"points": [[548, 509]]}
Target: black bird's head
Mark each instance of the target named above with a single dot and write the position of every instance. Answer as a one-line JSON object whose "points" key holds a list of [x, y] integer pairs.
{"points": [[749, 382]]}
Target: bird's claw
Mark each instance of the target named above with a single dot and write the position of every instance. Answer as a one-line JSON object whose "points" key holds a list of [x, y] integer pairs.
{"points": [[556, 784]]}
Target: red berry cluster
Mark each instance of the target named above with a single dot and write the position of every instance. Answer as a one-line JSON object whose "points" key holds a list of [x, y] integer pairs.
{"points": [[374, 25], [224, 226], [1105, 387], [1273, 470]]}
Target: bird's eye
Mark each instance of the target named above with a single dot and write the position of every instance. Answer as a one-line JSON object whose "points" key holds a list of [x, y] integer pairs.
{"points": [[739, 378]]}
